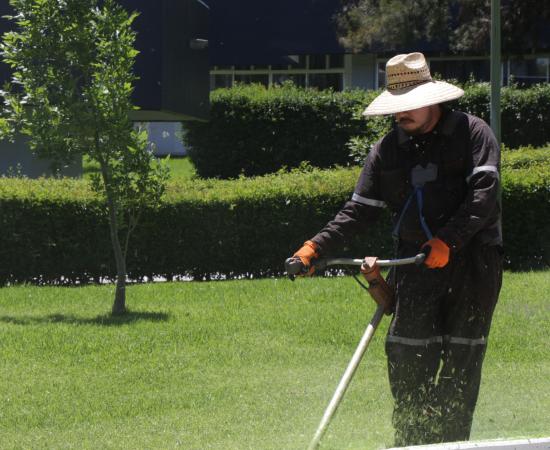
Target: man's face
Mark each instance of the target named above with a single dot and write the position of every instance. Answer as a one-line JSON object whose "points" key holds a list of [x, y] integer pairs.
{"points": [[418, 121]]}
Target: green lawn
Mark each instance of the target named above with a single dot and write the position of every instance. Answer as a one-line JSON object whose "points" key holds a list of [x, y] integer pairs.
{"points": [[180, 168], [236, 365]]}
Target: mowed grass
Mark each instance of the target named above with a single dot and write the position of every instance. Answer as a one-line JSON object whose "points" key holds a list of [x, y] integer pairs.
{"points": [[181, 168], [236, 365]]}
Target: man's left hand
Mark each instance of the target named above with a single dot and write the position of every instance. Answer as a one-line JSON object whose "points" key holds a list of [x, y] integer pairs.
{"points": [[438, 253]]}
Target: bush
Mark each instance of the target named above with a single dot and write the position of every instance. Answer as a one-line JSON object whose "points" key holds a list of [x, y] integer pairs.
{"points": [[526, 216], [525, 157], [56, 231], [254, 130], [525, 112]]}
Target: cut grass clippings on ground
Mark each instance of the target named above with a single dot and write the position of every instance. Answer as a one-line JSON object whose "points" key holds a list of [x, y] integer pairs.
{"points": [[236, 365]]}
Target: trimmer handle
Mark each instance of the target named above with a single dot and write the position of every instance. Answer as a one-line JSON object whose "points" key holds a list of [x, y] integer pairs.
{"points": [[294, 267], [417, 259], [421, 257]]}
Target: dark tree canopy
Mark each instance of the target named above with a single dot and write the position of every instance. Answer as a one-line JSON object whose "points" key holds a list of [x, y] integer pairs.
{"points": [[459, 25]]}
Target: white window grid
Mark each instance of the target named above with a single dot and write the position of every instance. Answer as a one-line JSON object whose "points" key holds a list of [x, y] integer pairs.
{"points": [[545, 78], [271, 72]]}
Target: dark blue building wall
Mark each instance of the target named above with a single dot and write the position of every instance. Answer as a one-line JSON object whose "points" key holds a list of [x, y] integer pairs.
{"points": [[246, 32], [149, 41], [148, 64], [262, 32], [172, 76]]}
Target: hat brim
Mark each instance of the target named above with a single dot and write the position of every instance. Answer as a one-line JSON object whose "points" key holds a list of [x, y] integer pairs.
{"points": [[414, 97]]}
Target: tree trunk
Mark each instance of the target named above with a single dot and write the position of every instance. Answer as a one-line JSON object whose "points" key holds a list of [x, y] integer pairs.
{"points": [[119, 305]]}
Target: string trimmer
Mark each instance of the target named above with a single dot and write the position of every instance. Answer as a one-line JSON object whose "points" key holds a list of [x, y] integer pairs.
{"points": [[382, 294]]}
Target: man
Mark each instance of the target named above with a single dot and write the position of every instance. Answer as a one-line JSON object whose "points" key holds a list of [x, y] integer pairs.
{"points": [[438, 173]]}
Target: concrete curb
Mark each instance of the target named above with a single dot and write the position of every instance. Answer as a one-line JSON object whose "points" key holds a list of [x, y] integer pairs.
{"points": [[516, 444]]}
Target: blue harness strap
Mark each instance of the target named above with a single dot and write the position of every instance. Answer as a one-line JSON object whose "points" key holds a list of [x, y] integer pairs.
{"points": [[420, 204], [418, 193]]}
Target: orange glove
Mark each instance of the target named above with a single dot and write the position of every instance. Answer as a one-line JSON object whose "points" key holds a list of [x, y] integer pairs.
{"points": [[307, 254], [438, 253]]}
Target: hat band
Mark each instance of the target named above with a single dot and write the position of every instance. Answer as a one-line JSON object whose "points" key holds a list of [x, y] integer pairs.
{"points": [[406, 84]]}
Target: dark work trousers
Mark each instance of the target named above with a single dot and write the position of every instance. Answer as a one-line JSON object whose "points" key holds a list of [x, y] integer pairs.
{"points": [[436, 343]]}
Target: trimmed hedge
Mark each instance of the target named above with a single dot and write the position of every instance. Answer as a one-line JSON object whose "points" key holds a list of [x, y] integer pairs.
{"points": [[254, 130], [525, 112], [55, 231], [525, 157], [526, 216]]}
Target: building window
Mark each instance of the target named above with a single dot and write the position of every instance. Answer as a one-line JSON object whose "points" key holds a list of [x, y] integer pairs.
{"points": [[462, 70], [296, 78], [326, 81], [280, 66], [527, 72], [336, 61], [220, 81], [317, 62], [317, 71], [250, 78]]}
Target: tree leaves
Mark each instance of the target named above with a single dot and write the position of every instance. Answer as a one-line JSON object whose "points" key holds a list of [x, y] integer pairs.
{"points": [[365, 24], [457, 25], [70, 91]]}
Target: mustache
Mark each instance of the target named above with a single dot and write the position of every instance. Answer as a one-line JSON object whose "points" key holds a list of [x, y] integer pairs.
{"points": [[404, 120]]}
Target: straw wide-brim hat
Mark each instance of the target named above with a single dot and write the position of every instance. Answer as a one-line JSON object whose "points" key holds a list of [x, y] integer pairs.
{"points": [[409, 85]]}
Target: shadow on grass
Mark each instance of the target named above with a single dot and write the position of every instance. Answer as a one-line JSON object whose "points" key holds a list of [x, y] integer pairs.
{"points": [[104, 320]]}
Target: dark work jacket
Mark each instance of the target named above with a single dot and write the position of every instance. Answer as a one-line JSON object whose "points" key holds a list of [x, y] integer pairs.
{"points": [[460, 206]]}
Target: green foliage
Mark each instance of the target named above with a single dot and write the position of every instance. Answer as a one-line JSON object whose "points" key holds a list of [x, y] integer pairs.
{"points": [[70, 96], [71, 87], [54, 231], [476, 101], [392, 23], [358, 146], [526, 216], [521, 25], [254, 130], [525, 157], [525, 113], [460, 25]]}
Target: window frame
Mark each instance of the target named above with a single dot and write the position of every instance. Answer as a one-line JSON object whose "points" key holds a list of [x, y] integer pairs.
{"points": [[290, 71]]}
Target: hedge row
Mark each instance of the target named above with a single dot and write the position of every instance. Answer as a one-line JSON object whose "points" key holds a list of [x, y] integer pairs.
{"points": [[254, 130], [525, 112], [56, 231], [525, 157]]}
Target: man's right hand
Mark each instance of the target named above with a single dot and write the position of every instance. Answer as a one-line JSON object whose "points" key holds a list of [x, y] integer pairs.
{"points": [[305, 256]]}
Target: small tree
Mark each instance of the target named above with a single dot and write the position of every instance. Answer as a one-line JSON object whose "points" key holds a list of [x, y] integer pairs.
{"points": [[70, 95]]}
